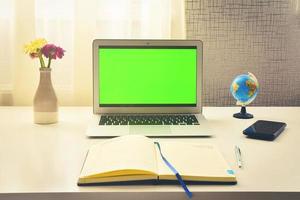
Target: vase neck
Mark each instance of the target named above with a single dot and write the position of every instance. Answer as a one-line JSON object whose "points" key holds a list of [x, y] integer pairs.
{"points": [[45, 76]]}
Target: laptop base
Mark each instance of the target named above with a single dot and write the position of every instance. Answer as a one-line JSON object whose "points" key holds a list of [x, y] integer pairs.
{"points": [[100, 131]]}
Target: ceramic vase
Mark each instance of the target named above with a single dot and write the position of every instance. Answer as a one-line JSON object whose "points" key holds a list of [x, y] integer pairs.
{"points": [[45, 104]]}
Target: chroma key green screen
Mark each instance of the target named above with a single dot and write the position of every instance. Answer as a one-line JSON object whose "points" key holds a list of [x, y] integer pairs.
{"points": [[148, 76]]}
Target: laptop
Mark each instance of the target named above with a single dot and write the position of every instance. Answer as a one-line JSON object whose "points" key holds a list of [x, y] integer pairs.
{"points": [[148, 87]]}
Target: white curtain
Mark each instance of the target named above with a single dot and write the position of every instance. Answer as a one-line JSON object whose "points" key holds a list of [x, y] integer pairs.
{"points": [[6, 46], [73, 24], [54, 20], [155, 19]]}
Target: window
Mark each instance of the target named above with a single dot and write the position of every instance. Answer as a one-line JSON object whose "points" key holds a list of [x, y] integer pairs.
{"points": [[73, 24], [6, 41], [55, 22]]}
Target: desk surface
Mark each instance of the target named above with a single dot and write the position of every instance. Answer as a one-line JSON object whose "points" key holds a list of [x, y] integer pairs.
{"points": [[37, 160]]}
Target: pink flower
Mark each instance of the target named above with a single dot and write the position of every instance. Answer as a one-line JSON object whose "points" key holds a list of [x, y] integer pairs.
{"points": [[52, 51]]}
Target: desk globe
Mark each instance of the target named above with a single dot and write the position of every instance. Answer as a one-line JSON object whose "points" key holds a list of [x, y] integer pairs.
{"points": [[244, 89]]}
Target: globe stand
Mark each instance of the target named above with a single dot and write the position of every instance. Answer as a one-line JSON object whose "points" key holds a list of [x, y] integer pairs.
{"points": [[243, 114]]}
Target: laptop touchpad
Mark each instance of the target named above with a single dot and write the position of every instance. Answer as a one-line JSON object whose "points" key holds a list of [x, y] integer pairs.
{"points": [[149, 130]]}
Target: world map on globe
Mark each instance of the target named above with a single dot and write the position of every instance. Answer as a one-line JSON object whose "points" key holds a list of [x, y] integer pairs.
{"points": [[244, 88]]}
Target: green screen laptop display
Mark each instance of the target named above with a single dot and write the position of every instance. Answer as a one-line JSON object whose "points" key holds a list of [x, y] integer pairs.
{"points": [[147, 76]]}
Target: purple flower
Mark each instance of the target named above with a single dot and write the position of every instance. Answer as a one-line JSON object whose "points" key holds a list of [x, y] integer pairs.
{"points": [[52, 51]]}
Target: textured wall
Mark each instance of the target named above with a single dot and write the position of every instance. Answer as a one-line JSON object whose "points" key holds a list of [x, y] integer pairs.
{"points": [[260, 36]]}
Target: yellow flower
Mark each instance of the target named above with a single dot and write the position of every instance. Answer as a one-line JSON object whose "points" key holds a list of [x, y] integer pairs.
{"points": [[35, 46]]}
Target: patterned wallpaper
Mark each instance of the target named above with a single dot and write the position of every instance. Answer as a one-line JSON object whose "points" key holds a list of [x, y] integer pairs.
{"points": [[259, 36]]}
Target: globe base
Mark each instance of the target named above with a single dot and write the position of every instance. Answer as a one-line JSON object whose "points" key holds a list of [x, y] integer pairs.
{"points": [[243, 114]]}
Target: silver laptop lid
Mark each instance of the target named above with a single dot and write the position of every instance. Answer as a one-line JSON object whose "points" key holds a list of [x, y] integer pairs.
{"points": [[147, 76]]}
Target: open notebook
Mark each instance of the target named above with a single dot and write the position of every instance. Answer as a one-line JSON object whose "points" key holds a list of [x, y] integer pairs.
{"points": [[135, 158]]}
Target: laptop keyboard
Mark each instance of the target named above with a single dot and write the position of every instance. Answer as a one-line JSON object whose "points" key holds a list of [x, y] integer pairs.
{"points": [[148, 120]]}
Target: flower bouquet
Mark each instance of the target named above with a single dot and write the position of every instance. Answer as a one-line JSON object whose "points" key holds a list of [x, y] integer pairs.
{"points": [[45, 103]]}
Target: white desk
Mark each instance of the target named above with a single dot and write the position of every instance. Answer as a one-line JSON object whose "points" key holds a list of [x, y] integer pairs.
{"points": [[43, 161]]}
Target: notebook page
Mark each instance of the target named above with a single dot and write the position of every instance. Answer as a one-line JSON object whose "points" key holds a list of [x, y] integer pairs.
{"points": [[128, 153], [199, 162]]}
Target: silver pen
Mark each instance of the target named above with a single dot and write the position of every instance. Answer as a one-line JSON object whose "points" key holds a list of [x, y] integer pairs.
{"points": [[238, 156]]}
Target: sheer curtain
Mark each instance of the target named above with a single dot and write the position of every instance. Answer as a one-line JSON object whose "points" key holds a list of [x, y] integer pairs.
{"points": [[73, 24], [120, 19], [6, 51], [155, 19], [54, 20]]}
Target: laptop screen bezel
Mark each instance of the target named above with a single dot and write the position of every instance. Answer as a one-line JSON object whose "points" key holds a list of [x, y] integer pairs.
{"points": [[98, 109]]}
